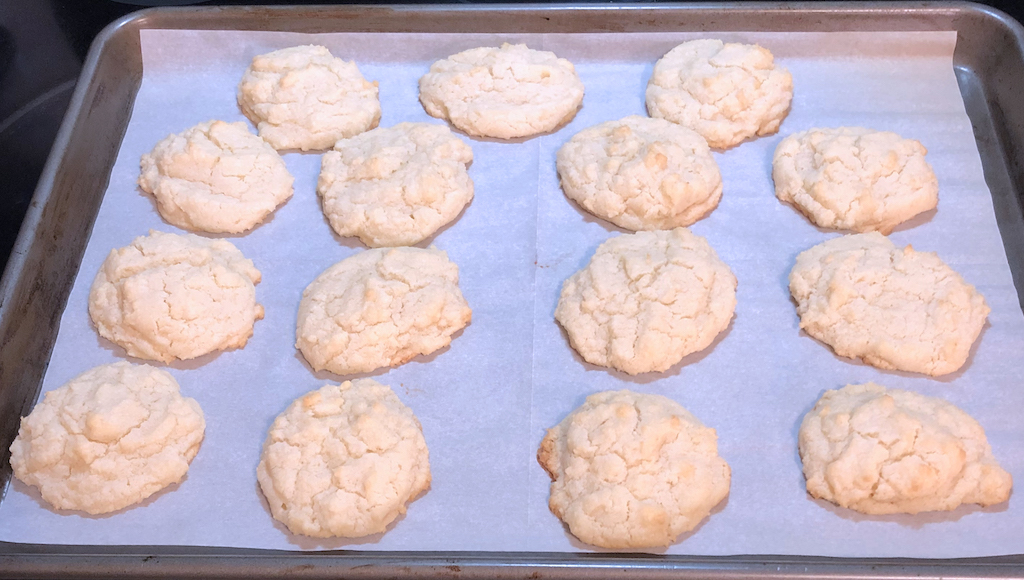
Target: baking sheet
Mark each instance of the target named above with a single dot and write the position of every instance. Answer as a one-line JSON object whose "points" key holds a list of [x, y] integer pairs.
{"points": [[485, 402]]}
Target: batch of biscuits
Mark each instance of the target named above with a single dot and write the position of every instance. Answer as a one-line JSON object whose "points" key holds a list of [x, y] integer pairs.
{"points": [[628, 470]]}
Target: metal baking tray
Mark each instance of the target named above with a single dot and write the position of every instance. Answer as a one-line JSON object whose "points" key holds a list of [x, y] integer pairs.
{"points": [[989, 65]]}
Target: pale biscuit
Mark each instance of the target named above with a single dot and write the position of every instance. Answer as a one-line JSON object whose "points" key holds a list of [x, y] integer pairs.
{"points": [[885, 451], [304, 98], [506, 92], [215, 177], [631, 470], [852, 178], [343, 461], [640, 173], [109, 438], [395, 186], [380, 308], [894, 308], [727, 92], [169, 296], [646, 300]]}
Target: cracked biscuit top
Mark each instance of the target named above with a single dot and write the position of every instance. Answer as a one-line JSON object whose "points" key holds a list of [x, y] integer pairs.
{"points": [[395, 186], [380, 308], [215, 177], [109, 438], [169, 296], [894, 308], [852, 178], [885, 451], [343, 461], [631, 470], [727, 92], [304, 98], [506, 92], [646, 300], [641, 173]]}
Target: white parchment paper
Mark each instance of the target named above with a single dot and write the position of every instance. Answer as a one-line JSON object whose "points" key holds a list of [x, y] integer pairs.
{"points": [[486, 401]]}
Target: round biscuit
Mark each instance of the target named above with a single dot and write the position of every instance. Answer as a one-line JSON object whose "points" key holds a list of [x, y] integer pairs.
{"points": [[507, 92], [631, 470], [894, 308], [646, 300], [170, 296], [215, 177], [343, 461], [884, 451], [380, 308], [395, 186], [640, 173], [304, 98], [852, 178], [727, 92], [109, 438]]}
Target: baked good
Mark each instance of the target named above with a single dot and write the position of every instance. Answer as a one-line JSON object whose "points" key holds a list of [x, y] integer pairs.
{"points": [[170, 296], [894, 308], [886, 451], [640, 173], [343, 461], [631, 470], [507, 92], [395, 186], [646, 300], [380, 308], [109, 438], [215, 177], [727, 92], [852, 178], [304, 98]]}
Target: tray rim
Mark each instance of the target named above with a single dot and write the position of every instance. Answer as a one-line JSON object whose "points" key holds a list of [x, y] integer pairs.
{"points": [[55, 560]]}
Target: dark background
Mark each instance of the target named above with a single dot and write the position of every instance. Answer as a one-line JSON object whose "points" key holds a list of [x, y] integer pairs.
{"points": [[43, 44]]}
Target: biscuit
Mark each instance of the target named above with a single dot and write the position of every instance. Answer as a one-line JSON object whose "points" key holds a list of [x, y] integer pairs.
{"points": [[646, 300], [894, 308], [215, 177], [641, 173], [395, 186], [380, 308], [169, 296], [109, 438], [506, 92], [884, 451], [727, 92], [304, 98], [852, 178], [343, 461], [630, 470]]}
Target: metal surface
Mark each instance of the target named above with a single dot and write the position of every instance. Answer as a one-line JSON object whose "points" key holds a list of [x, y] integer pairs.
{"points": [[49, 248], [989, 62]]}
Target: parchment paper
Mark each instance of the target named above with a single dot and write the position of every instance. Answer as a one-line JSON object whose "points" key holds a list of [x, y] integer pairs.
{"points": [[486, 401]]}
